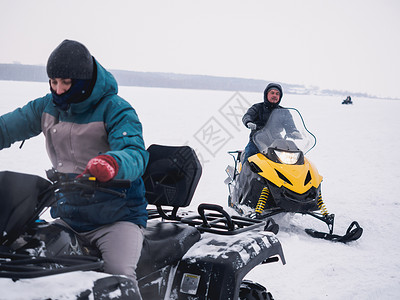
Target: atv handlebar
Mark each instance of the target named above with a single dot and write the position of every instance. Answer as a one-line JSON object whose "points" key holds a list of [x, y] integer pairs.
{"points": [[114, 183], [220, 222], [69, 181], [69, 178]]}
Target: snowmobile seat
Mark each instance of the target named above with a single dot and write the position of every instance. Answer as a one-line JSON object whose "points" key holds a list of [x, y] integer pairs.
{"points": [[171, 177], [165, 243]]}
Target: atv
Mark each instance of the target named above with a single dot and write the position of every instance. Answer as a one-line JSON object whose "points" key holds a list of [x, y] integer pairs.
{"points": [[280, 179], [186, 255]]}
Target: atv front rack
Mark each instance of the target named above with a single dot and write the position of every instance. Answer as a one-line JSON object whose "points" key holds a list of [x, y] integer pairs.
{"points": [[216, 220], [220, 222]]}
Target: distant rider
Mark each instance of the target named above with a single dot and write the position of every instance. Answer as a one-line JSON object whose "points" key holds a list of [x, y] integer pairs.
{"points": [[257, 115], [347, 100]]}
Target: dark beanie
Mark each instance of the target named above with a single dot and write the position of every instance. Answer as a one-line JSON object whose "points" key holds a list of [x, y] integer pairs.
{"points": [[72, 60], [273, 86]]}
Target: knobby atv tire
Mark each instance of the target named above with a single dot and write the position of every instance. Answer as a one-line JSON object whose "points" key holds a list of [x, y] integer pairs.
{"points": [[253, 291]]}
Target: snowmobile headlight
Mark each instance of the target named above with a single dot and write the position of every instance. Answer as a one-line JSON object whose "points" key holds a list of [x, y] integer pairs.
{"points": [[289, 158]]}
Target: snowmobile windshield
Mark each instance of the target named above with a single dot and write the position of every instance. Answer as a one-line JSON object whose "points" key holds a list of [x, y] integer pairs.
{"points": [[285, 131]]}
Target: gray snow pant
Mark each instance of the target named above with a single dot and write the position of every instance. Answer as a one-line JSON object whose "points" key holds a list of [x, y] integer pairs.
{"points": [[120, 245]]}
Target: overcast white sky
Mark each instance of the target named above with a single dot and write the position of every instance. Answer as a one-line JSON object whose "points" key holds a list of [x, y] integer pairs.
{"points": [[337, 44]]}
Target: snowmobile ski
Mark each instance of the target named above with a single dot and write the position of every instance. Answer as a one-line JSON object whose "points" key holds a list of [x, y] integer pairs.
{"points": [[353, 233]]}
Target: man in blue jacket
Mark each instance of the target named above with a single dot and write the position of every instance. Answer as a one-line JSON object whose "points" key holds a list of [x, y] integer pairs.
{"points": [[89, 129]]}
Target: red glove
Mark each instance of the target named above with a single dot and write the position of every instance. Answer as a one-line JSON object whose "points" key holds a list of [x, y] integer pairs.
{"points": [[103, 167]]}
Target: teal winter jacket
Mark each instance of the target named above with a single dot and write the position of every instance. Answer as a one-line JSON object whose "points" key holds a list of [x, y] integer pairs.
{"points": [[104, 123]]}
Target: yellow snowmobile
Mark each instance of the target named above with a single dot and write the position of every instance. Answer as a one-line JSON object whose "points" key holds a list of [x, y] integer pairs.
{"points": [[280, 178]]}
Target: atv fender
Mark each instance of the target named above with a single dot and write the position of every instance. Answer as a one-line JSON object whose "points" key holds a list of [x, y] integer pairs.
{"points": [[215, 266]]}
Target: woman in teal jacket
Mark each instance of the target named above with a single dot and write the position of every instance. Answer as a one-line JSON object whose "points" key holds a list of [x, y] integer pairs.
{"points": [[89, 129]]}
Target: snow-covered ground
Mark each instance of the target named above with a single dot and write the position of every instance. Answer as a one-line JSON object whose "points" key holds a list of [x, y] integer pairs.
{"points": [[356, 153]]}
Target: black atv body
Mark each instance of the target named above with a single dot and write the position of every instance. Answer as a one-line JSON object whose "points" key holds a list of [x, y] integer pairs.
{"points": [[189, 255]]}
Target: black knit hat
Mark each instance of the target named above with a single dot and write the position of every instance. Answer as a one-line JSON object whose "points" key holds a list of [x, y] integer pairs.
{"points": [[273, 86], [72, 60]]}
